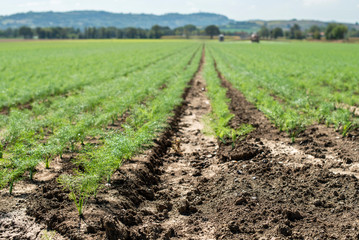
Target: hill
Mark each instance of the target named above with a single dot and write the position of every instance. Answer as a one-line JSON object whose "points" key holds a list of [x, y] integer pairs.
{"points": [[82, 19]]}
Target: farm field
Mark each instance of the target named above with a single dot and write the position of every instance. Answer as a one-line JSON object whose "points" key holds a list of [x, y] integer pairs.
{"points": [[177, 139]]}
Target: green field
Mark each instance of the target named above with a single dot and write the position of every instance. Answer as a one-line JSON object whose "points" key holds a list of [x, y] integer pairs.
{"points": [[107, 101], [73, 92], [295, 84]]}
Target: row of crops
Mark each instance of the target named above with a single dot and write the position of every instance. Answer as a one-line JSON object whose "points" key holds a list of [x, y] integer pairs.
{"points": [[295, 85], [220, 115], [131, 85], [32, 71], [105, 101]]}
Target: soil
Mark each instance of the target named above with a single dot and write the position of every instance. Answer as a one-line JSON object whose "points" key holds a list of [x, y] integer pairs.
{"points": [[190, 186]]}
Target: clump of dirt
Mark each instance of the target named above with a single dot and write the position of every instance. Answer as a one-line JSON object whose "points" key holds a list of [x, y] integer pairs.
{"points": [[241, 151], [329, 145]]}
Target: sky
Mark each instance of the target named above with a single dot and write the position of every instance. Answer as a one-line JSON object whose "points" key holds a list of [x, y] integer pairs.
{"points": [[326, 10]]}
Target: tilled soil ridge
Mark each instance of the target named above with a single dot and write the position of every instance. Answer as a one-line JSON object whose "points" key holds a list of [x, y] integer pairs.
{"points": [[118, 211], [44, 201], [186, 169], [280, 190]]}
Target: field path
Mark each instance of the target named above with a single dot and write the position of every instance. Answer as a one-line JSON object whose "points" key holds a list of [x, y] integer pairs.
{"points": [[191, 160]]}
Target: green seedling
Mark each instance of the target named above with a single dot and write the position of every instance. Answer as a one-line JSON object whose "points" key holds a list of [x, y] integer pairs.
{"points": [[14, 176], [113, 119], [30, 166], [47, 162], [81, 187], [346, 128], [241, 132]]}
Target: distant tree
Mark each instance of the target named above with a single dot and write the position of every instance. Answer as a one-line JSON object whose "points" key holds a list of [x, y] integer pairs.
{"points": [[296, 32], [315, 31], [130, 32], [276, 33], [120, 33], [166, 31], [287, 34], [159, 31], [335, 31], [90, 32], [190, 27], [142, 33], [178, 31], [11, 33], [354, 33], [111, 32], [101, 33], [189, 30], [212, 30], [264, 32], [40, 32], [156, 32], [26, 32]]}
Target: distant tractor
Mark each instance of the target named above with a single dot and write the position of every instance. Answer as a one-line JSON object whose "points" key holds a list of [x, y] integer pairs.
{"points": [[221, 38], [254, 38]]}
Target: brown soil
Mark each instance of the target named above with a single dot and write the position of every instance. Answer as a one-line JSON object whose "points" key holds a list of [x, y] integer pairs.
{"points": [[291, 190], [189, 186]]}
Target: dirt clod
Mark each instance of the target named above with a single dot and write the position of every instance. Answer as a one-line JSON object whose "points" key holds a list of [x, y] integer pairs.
{"points": [[284, 230], [115, 229]]}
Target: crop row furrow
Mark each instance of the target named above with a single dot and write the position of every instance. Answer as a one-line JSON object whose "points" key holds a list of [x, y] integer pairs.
{"points": [[25, 152], [220, 117], [141, 128]]}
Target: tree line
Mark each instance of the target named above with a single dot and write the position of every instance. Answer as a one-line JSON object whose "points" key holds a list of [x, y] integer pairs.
{"points": [[332, 31], [106, 32]]}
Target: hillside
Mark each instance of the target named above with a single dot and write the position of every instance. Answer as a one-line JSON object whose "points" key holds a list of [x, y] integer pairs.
{"points": [[82, 19]]}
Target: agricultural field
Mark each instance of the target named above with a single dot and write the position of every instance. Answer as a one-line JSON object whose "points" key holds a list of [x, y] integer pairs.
{"points": [[179, 139], [296, 85]]}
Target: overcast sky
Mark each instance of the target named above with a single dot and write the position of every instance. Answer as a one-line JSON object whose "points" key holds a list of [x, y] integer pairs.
{"points": [[337, 10]]}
